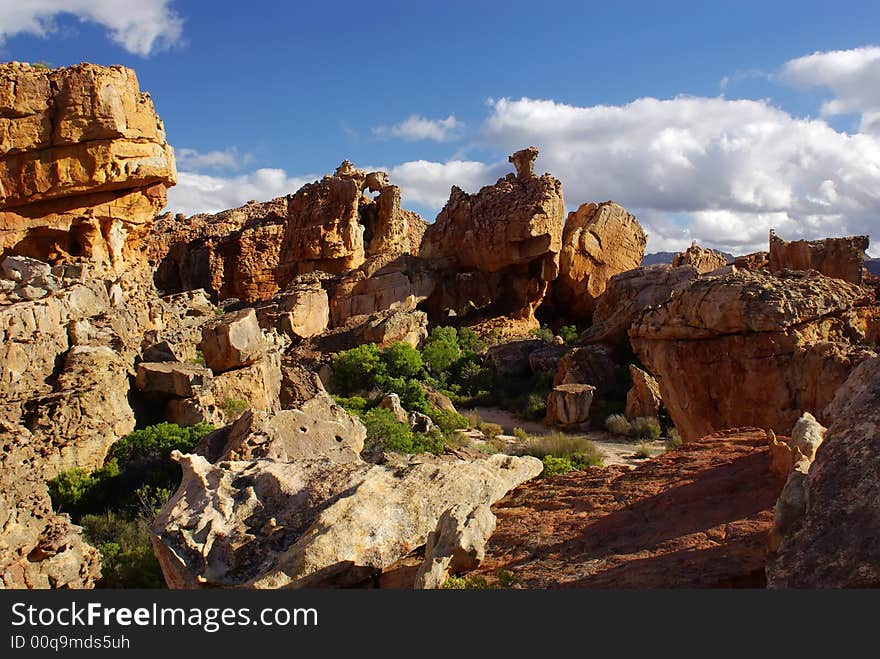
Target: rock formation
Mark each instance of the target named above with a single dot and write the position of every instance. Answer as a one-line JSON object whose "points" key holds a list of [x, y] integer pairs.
{"points": [[750, 348], [84, 164], [598, 242], [833, 543], [703, 260], [252, 252], [314, 522], [497, 250], [643, 398], [458, 544], [628, 295], [593, 365], [841, 258], [568, 405]]}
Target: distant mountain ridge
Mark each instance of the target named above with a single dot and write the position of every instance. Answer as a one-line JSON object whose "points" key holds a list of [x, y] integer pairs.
{"points": [[873, 266]]}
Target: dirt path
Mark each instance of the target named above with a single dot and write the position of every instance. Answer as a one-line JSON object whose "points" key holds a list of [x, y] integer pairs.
{"points": [[616, 450]]}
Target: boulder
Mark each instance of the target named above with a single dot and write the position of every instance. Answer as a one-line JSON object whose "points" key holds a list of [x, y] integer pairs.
{"points": [[395, 326], [832, 543], [314, 522], [458, 544], [701, 259], [546, 360], [841, 258], [172, 378], [758, 349], [568, 405], [318, 429], [628, 295], [422, 423], [391, 402], [85, 164], [598, 242], [233, 342], [497, 251], [439, 400], [256, 387], [594, 365], [512, 359], [305, 310], [643, 399]]}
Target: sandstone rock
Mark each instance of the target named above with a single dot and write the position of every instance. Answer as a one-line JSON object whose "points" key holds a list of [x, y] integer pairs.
{"points": [[807, 435], [234, 342], [643, 399], [298, 384], [306, 311], [628, 295], [38, 547], [791, 505], [594, 365], [598, 242], [757, 349], [512, 359], [497, 250], [391, 402], [24, 270], [841, 258], [458, 544], [702, 259], [546, 360], [319, 429], [833, 544], [256, 387], [84, 164], [87, 413], [754, 261], [395, 326], [439, 400], [252, 252], [568, 405], [314, 522], [422, 423], [172, 378], [612, 527]]}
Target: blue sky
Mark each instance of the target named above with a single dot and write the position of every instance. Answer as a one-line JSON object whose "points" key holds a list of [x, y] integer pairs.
{"points": [[710, 121]]}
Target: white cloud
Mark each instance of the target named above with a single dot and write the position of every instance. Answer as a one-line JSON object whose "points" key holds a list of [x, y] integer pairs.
{"points": [[852, 75], [428, 183], [139, 26], [202, 193], [722, 172], [193, 160], [417, 127]]}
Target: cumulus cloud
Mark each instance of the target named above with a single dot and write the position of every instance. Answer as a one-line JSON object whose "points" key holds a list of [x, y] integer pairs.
{"points": [[417, 127], [194, 160], [203, 193], [139, 26], [719, 171], [852, 75], [427, 183]]}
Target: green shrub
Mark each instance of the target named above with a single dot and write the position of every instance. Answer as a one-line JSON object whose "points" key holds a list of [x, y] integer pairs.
{"points": [[491, 430], [470, 343], [157, 441], [411, 392], [535, 407], [441, 350], [358, 369], [128, 558], [403, 361], [560, 445], [473, 378], [520, 434], [386, 433], [447, 421], [644, 451], [645, 427], [543, 333], [353, 404], [506, 578], [472, 417], [673, 440], [569, 333], [618, 424], [557, 465], [466, 582]]}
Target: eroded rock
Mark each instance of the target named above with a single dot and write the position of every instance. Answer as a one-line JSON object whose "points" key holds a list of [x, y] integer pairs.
{"points": [[568, 405], [841, 258]]}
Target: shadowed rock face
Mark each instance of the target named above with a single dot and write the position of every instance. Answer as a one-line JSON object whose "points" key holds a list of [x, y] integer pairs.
{"points": [[695, 517], [598, 242], [841, 258], [835, 543], [252, 252], [497, 250], [84, 164], [752, 348]]}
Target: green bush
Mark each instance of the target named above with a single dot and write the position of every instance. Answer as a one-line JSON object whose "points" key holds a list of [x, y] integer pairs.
{"points": [[470, 343], [124, 543], [673, 440], [569, 333], [560, 445], [386, 433], [158, 441], [535, 406], [645, 427], [491, 430], [441, 350], [403, 361], [520, 434], [467, 582], [554, 465], [644, 451], [411, 392], [353, 404], [618, 424], [543, 333], [357, 370], [447, 421], [77, 489]]}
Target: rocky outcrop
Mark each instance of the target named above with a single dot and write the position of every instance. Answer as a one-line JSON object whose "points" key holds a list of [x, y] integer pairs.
{"points": [[252, 252], [38, 547], [643, 398], [752, 348], [314, 522], [703, 260], [593, 365], [612, 527], [832, 542], [84, 164], [841, 258], [458, 544], [233, 342], [497, 250], [568, 405], [598, 242], [628, 295]]}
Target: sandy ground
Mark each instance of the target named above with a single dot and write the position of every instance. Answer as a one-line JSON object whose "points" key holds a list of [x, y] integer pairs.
{"points": [[617, 450]]}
